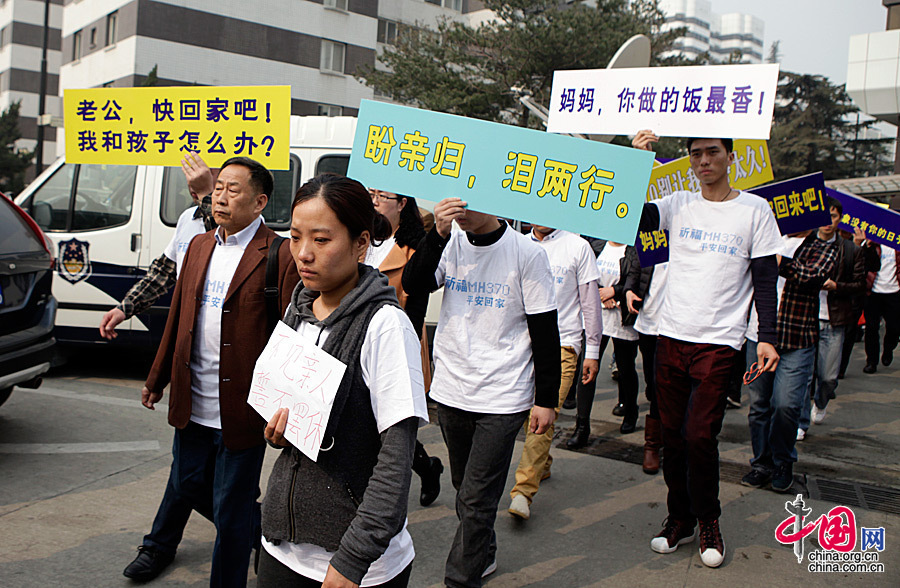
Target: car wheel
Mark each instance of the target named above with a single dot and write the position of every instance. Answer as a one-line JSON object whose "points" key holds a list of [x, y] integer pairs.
{"points": [[4, 394]]}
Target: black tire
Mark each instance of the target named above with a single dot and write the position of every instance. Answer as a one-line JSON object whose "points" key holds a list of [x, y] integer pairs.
{"points": [[4, 394]]}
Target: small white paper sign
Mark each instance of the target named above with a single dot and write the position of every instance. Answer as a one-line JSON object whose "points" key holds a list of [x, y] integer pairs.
{"points": [[293, 373], [735, 101]]}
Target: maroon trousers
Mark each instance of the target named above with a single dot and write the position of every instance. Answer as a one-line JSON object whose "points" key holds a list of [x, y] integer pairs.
{"points": [[692, 384]]}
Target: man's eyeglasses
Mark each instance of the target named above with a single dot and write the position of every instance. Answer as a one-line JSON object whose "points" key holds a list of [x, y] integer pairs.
{"points": [[378, 194]]}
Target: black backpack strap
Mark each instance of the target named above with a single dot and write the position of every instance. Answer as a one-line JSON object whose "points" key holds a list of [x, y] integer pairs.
{"points": [[271, 292]]}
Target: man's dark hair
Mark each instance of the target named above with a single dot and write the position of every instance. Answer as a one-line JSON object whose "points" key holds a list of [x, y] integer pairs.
{"points": [[835, 203], [728, 143], [260, 178]]}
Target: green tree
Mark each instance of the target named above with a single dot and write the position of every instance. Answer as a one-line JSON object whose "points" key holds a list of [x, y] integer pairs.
{"points": [[481, 71], [813, 130], [151, 79], [13, 161]]}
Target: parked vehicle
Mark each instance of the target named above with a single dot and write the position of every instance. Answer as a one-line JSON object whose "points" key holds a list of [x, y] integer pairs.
{"points": [[109, 222], [27, 306]]}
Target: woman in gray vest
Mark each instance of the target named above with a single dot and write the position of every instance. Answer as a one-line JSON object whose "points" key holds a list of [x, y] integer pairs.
{"points": [[341, 520]]}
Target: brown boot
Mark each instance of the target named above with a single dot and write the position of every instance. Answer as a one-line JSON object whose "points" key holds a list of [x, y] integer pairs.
{"points": [[652, 443]]}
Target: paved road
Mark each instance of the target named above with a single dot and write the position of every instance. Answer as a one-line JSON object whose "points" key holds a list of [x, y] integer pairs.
{"points": [[84, 465]]}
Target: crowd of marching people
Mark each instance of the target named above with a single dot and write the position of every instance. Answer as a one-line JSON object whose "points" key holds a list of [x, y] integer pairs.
{"points": [[524, 319]]}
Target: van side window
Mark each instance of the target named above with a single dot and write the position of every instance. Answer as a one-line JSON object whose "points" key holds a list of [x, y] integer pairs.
{"points": [[49, 205], [103, 196], [278, 211], [334, 164], [176, 197]]}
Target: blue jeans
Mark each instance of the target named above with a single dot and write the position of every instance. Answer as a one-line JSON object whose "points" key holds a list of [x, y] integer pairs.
{"points": [[480, 447], [828, 363], [223, 485], [171, 518], [775, 404]]}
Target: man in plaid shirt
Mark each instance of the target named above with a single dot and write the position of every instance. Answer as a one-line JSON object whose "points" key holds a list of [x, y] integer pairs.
{"points": [[777, 399], [163, 271]]}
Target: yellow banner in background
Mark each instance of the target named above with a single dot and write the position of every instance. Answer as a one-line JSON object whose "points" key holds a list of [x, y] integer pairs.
{"points": [[751, 168], [157, 126]]}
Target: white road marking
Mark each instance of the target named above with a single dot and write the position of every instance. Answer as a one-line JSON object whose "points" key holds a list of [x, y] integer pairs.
{"points": [[136, 403], [50, 448]]}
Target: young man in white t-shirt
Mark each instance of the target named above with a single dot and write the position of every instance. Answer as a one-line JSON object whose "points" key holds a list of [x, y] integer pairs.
{"points": [[575, 280], [722, 246], [495, 356]]}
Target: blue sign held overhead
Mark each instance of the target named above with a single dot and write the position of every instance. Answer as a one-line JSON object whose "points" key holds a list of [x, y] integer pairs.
{"points": [[582, 186]]}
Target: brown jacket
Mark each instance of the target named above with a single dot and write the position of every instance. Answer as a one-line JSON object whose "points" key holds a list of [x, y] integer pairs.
{"points": [[243, 334]]}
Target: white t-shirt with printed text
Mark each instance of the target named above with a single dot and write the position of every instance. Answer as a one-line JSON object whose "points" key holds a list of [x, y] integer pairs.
{"points": [[482, 349], [647, 322], [207, 343], [391, 364], [187, 228], [709, 290], [572, 265]]}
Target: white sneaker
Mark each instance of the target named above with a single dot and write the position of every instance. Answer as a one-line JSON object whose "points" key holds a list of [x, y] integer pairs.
{"points": [[817, 415], [519, 507], [801, 434], [492, 567]]}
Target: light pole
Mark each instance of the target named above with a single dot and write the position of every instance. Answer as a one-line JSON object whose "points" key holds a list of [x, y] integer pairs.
{"points": [[42, 96]]}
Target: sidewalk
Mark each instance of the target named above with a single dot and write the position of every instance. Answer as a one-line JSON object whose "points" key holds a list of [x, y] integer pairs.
{"points": [[592, 521]]}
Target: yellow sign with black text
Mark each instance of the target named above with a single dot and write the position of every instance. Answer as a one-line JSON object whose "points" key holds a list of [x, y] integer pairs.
{"points": [[157, 126], [751, 168]]}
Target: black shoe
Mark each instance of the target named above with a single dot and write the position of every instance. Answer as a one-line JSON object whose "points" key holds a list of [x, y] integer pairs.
{"points": [[869, 369], [149, 563], [756, 478], [619, 410], [431, 482], [887, 357], [783, 478], [580, 435], [569, 403], [627, 427], [841, 376]]}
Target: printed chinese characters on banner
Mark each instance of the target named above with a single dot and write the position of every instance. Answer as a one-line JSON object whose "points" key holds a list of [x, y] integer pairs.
{"points": [[586, 187], [690, 101], [880, 225], [157, 126], [293, 373], [751, 168], [798, 204]]}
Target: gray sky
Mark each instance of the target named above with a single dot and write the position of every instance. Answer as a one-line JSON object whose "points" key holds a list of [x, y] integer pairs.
{"points": [[814, 34]]}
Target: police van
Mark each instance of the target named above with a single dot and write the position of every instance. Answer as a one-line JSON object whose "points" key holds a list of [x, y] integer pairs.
{"points": [[109, 222]]}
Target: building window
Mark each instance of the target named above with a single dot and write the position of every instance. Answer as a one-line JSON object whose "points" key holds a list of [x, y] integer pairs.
{"points": [[76, 46], [453, 5], [93, 38], [332, 56], [387, 31], [330, 110], [438, 2], [336, 4], [112, 25], [3, 35]]}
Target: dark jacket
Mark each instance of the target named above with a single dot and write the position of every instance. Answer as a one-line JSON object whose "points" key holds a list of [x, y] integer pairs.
{"points": [[243, 312], [628, 264], [850, 277]]}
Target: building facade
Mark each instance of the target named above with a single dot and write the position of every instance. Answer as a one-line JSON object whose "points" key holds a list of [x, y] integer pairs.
{"points": [[315, 46], [718, 35], [21, 39]]}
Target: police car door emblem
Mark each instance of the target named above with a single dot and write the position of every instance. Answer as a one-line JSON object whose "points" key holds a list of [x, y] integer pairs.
{"points": [[75, 264]]}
